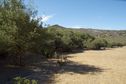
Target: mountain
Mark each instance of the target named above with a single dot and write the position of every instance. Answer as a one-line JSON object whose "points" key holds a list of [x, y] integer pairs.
{"points": [[110, 35]]}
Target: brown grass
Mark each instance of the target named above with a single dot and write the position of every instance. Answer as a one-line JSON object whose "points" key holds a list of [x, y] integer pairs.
{"points": [[88, 67], [94, 67]]}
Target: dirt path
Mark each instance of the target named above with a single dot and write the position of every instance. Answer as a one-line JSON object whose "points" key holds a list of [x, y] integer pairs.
{"points": [[95, 67]]}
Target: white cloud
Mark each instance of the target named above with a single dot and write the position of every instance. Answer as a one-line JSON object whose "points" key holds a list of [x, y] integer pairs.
{"points": [[45, 18]]}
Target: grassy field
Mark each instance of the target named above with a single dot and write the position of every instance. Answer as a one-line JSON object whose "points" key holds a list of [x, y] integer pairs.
{"points": [[95, 67]]}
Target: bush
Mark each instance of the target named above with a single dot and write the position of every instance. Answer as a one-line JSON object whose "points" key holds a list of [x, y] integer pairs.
{"points": [[114, 44], [22, 80], [98, 44]]}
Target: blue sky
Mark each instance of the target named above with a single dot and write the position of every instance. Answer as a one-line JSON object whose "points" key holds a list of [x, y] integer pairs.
{"points": [[98, 14]]}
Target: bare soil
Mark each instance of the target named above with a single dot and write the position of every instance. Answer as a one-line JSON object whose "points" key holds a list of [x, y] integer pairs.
{"points": [[86, 67], [94, 67]]}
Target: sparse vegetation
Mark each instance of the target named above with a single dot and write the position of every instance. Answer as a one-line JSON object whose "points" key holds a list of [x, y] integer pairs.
{"points": [[22, 80]]}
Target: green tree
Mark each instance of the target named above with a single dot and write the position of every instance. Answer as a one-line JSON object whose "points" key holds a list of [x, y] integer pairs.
{"points": [[98, 43], [19, 31]]}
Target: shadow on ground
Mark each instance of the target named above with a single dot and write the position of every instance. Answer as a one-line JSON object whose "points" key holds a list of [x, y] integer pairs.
{"points": [[75, 67], [45, 70], [73, 51]]}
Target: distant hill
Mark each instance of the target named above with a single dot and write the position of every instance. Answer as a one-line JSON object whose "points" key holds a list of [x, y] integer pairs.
{"points": [[110, 35]]}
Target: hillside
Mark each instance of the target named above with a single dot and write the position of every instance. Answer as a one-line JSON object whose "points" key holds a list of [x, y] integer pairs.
{"points": [[110, 35]]}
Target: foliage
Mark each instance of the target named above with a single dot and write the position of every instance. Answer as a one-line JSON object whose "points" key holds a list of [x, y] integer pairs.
{"points": [[68, 40], [115, 44], [22, 80], [21, 32], [98, 44]]}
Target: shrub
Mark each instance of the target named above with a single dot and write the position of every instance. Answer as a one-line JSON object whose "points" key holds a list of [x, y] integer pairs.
{"points": [[98, 44], [21, 80], [114, 44]]}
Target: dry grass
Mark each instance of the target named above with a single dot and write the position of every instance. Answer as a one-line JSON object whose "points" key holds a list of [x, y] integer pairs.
{"points": [[107, 66], [88, 67]]}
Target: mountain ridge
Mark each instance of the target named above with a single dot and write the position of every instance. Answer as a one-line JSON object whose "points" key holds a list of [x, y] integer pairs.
{"points": [[109, 35]]}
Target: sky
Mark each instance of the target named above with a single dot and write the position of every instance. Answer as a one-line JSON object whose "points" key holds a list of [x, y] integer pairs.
{"points": [[97, 14]]}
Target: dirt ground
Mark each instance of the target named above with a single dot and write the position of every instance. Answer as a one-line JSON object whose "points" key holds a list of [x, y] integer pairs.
{"points": [[88, 67], [94, 67]]}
